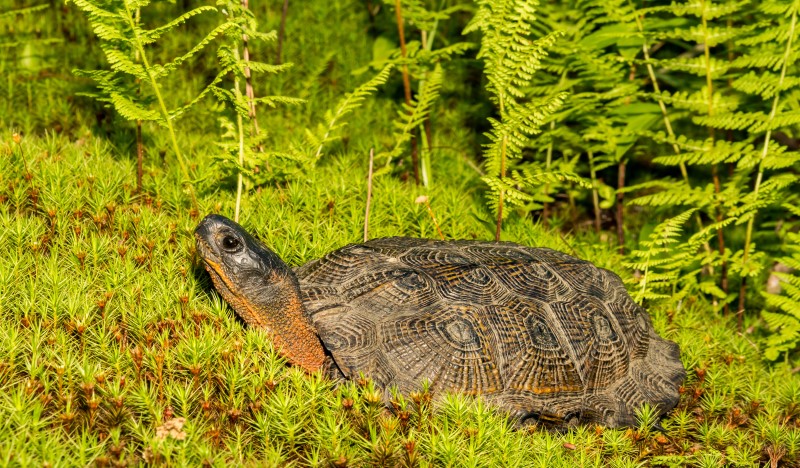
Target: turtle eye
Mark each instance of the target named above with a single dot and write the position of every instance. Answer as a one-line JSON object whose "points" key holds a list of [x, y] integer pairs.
{"points": [[230, 243]]}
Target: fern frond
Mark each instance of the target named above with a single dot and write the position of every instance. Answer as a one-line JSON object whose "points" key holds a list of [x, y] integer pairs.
{"points": [[677, 195], [695, 34], [753, 122], [152, 35], [160, 71], [696, 66], [274, 101], [24, 10], [708, 151], [411, 117], [664, 257], [445, 53], [793, 209], [177, 112], [133, 111], [122, 62], [270, 36], [260, 67], [766, 60], [709, 10], [349, 103], [93, 10], [696, 101], [766, 85]]}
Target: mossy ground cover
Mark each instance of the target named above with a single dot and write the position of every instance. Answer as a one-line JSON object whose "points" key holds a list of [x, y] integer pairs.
{"points": [[115, 350], [111, 328]]}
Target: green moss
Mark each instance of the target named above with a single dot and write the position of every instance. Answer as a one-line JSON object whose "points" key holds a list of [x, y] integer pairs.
{"points": [[110, 329]]}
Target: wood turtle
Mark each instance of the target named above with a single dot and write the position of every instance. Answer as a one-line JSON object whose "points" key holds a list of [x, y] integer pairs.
{"points": [[536, 332]]}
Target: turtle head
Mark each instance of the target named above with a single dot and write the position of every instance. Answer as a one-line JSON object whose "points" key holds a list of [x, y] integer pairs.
{"points": [[260, 287], [235, 256]]}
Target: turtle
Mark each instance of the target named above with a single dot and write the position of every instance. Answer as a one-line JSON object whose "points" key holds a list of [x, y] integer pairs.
{"points": [[546, 337]]}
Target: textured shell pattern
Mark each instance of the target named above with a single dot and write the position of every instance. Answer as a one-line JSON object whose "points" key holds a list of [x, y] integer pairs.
{"points": [[537, 332]]}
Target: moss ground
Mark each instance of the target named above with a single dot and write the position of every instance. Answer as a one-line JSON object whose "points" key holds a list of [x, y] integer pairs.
{"points": [[110, 330]]}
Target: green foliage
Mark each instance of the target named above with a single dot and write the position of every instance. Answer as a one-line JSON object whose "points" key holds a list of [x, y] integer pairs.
{"points": [[123, 41], [418, 59], [110, 332], [334, 117], [141, 340], [512, 58], [242, 151], [26, 51], [412, 116], [717, 104], [786, 323], [714, 101], [670, 263], [12, 43]]}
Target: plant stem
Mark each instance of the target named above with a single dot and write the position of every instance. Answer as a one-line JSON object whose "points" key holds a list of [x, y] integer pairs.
{"points": [[621, 167], [249, 81], [240, 127], [549, 160], [502, 104], [406, 82], [369, 194], [164, 112], [425, 163], [595, 197], [620, 210], [433, 218], [427, 44], [502, 175], [139, 144], [714, 169], [760, 176], [139, 156], [720, 240], [668, 124], [547, 163]]}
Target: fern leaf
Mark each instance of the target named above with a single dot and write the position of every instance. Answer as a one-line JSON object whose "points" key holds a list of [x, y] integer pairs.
{"points": [[160, 71], [91, 9], [414, 115], [350, 102], [260, 67], [121, 61], [275, 101], [133, 111], [153, 35]]}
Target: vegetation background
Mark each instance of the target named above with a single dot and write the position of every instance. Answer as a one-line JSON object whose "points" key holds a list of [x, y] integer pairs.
{"points": [[655, 139]]}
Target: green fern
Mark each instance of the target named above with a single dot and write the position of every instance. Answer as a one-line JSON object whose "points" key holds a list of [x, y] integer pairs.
{"points": [[670, 263], [241, 146], [512, 58], [710, 105], [324, 134], [418, 59], [409, 118], [125, 44], [785, 324]]}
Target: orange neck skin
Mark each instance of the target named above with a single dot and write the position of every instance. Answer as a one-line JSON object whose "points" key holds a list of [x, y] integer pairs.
{"points": [[283, 316]]}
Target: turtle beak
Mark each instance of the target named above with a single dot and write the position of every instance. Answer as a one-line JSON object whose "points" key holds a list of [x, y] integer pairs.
{"points": [[205, 228]]}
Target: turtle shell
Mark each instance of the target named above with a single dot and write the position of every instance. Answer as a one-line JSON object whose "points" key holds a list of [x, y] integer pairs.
{"points": [[537, 332]]}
